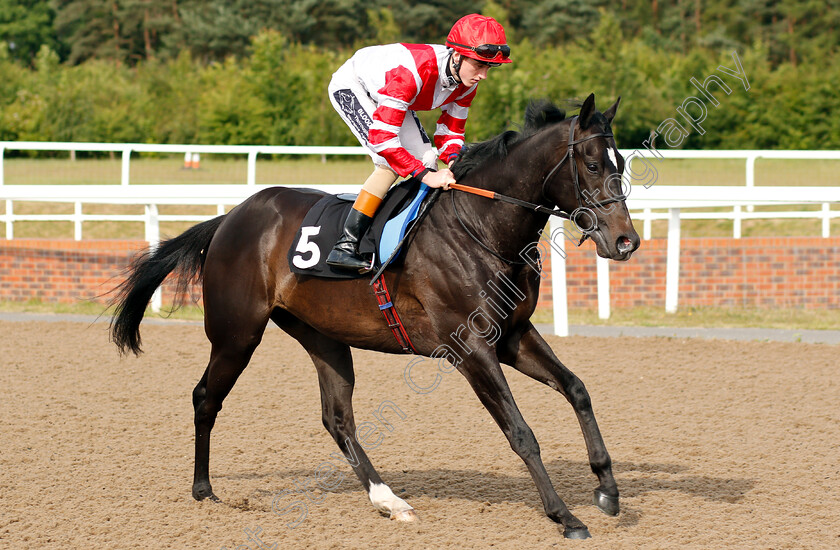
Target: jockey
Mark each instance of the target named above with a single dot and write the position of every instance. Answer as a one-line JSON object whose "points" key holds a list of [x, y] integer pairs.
{"points": [[377, 91]]}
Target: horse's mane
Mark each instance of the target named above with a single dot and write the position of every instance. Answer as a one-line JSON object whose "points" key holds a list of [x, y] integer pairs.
{"points": [[538, 115]]}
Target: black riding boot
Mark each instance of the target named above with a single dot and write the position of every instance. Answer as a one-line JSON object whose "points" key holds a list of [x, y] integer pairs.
{"points": [[345, 253]]}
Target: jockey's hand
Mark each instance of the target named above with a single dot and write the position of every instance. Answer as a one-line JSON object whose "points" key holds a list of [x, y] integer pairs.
{"points": [[441, 178]]}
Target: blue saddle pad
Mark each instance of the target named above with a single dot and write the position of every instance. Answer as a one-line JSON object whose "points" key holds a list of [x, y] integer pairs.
{"points": [[395, 227]]}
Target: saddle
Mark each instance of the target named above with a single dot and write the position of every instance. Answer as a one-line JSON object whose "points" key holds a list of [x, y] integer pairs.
{"points": [[324, 223]]}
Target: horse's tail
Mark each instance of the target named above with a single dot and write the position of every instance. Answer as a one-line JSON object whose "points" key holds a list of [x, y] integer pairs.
{"points": [[146, 273]]}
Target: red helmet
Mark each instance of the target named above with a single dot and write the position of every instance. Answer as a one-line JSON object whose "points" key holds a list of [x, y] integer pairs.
{"points": [[479, 37]]}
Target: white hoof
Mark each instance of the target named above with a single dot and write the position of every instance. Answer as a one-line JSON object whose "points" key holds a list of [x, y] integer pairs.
{"points": [[407, 516], [390, 504]]}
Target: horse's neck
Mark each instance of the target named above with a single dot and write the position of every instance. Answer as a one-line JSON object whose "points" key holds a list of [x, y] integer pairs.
{"points": [[507, 229]]}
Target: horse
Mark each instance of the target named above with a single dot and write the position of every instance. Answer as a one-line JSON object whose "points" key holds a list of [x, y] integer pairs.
{"points": [[240, 259]]}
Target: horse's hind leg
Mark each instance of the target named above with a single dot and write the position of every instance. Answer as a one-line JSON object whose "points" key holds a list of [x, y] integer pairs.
{"points": [[336, 378], [230, 354], [530, 354]]}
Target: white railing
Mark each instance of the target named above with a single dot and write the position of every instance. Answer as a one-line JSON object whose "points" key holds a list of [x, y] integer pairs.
{"points": [[737, 215], [149, 195], [642, 201], [125, 150]]}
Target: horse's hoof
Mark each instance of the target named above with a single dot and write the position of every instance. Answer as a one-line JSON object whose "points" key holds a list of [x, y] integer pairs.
{"points": [[407, 516], [580, 533], [201, 492], [606, 503]]}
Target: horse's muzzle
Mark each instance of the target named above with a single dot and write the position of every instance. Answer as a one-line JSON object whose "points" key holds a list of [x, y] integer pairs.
{"points": [[619, 250], [625, 245]]}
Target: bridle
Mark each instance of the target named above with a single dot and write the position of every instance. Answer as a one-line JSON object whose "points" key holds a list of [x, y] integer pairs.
{"points": [[584, 204], [583, 200]]}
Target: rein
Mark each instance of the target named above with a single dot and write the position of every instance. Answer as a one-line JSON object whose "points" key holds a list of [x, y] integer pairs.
{"points": [[583, 200], [510, 200]]}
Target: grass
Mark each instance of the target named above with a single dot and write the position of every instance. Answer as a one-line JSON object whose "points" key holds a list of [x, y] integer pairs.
{"points": [[707, 317], [222, 169], [230, 169], [85, 307], [768, 172]]}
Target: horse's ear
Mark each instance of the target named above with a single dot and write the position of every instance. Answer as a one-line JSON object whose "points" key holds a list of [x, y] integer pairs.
{"points": [[610, 113], [586, 112]]}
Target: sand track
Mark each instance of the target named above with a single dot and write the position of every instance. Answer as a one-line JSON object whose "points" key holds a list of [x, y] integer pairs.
{"points": [[715, 445]]}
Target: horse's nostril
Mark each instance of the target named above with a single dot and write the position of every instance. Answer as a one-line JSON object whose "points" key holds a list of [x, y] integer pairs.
{"points": [[624, 244]]}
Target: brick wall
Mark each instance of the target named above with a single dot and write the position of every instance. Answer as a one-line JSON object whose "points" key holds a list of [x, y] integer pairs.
{"points": [[748, 272], [65, 271], [752, 272]]}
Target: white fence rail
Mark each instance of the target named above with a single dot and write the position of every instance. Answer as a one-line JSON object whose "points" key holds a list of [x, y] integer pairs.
{"points": [[125, 150], [642, 201]]}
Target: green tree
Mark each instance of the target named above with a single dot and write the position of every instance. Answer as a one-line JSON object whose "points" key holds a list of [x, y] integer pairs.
{"points": [[19, 107], [25, 25], [216, 29], [90, 28], [327, 23], [291, 81], [560, 21], [229, 113], [123, 31], [170, 98], [429, 22], [383, 26]]}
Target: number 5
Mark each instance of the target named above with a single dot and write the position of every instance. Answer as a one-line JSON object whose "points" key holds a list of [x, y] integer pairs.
{"points": [[304, 246]]}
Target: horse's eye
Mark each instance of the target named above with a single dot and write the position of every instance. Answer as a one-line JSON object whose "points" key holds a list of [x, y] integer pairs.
{"points": [[592, 167]]}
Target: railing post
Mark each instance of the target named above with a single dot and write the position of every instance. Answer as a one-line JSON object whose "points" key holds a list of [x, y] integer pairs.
{"points": [[647, 224], [672, 269], [153, 238], [252, 168], [10, 225], [736, 221], [750, 177], [77, 222], [603, 269], [826, 221], [126, 166], [559, 300]]}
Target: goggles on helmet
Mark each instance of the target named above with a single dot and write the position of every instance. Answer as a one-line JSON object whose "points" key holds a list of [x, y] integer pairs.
{"points": [[487, 51]]}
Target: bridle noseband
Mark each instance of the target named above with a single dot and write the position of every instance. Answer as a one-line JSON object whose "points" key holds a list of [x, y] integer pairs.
{"points": [[584, 204]]}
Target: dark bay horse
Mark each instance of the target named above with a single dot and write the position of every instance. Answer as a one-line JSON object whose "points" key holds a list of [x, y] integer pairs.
{"points": [[466, 241]]}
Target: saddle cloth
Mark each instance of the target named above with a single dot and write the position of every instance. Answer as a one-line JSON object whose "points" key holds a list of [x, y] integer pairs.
{"points": [[324, 224]]}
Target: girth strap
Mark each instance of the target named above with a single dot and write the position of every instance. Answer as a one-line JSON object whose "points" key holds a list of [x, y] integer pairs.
{"points": [[386, 306]]}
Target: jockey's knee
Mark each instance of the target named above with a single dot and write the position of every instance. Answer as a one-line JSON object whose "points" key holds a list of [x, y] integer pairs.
{"points": [[380, 181]]}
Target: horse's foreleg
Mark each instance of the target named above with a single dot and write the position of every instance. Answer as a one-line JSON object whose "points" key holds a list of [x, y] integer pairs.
{"points": [[488, 382], [336, 378], [229, 357], [529, 353]]}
